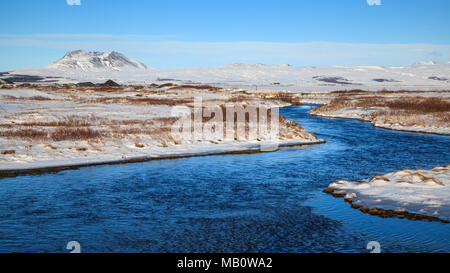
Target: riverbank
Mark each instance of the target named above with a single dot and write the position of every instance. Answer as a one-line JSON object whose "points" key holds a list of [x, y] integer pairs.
{"points": [[402, 111], [57, 128], [36, 168], [411, 194]]}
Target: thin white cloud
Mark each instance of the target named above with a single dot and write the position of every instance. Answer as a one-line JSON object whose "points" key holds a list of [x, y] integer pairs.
{"points": [[56, 36], [85, 36], [374, 2], [73, 2], [164, 53]]}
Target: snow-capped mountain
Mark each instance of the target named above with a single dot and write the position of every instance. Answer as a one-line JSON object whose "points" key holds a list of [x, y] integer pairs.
{"points": [[94, 61]]}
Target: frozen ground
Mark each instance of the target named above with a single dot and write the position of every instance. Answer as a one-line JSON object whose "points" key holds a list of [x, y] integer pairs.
{"points": [[56, 127], [424, 112], [403, 193], [266, 78]]}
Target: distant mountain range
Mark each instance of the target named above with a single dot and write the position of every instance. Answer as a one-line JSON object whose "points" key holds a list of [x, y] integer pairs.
{"points": [[88, 61]]}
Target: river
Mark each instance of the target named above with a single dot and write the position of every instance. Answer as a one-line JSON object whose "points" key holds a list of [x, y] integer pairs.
{"points": [[265, 202]]}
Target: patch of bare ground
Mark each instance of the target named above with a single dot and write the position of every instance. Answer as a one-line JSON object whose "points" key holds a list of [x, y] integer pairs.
{"points": [[138, 145], [196, 87], [166, 85], [349, 92]]}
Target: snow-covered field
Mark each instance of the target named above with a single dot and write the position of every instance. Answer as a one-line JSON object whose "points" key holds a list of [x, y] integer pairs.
{"points": [[424, 112], [80, 66], [56, 127], [414, 194]]}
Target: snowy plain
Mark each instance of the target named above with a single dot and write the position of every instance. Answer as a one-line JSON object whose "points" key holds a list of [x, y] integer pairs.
{"points": [[261, 77]]}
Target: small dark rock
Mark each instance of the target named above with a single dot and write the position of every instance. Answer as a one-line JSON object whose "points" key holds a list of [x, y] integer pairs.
{"points": [[110, 83], [85, 84], [438, 78]]}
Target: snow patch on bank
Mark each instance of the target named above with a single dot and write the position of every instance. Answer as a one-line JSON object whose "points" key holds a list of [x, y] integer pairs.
{"points": [[423, 192]]}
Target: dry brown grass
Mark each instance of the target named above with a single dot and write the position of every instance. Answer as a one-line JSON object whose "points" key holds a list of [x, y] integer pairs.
{"points": [[76, 128], [166, 85], [67, 121], [75, 134], [350, 92], [140, 101], [287, 98], [444, 117], [106, 89], [404, 111], [50, 146], [421, 105], [25, 134], [412, 111], [239, 99], [288, 129], [415, 104], [196, 87], [85, 128], [37, 98]]}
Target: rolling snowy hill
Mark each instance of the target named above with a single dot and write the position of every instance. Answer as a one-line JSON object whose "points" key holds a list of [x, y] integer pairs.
{"points": [[81, 66]]}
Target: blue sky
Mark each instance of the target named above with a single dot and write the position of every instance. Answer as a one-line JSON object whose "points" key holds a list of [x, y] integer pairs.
{"points": [[171, 33]]}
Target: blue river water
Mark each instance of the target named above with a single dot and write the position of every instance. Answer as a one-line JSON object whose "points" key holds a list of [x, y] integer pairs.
{"points": [[265, 202]]}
